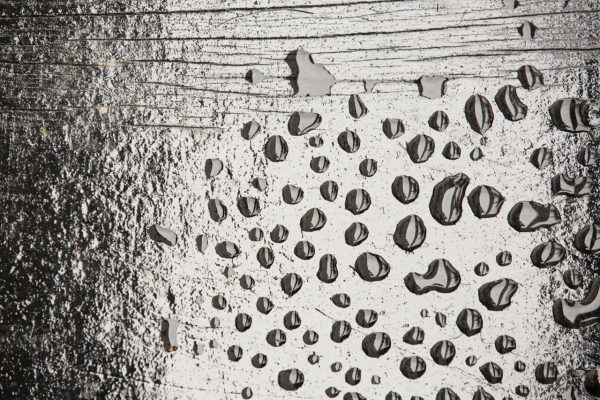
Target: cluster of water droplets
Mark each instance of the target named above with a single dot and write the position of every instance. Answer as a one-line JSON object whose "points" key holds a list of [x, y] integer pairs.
{"points": [[410, 233]]}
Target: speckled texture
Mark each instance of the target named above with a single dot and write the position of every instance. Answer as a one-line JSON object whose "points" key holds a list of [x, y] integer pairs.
{"points": [[110, 110]]}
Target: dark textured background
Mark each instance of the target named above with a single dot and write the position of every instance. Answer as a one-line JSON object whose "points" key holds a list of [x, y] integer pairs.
{"points": [[108, 111]]}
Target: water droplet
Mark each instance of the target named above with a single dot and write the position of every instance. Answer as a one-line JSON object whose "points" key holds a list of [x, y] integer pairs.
{"points": [[529, 216], [319, 164], [217, 210], [163, 235], [201, 243], [413, 367], [358, 201], [356, 233], [311, 337], [341, 300], [546, 373], [571, 115], [505, 344], [420, 148], [573, 279], [479, 114], [336, 366], [171, 334], [469, 322], [491, 372], [410, 233], [259, 360], [292, 194], [443, 352], [304, 250], [340, 331], [405, 189], [547, 254], [541, 158], [530, 77], [312, 79], [313, 359], [393, 128], [578, 314], [264, 305], [481, 394], [371, 267], [354, 396], [349, 141], [432, 87], [440, 319], [482, 269], [315, 141], [329, 190], [438, 121], [301, 123], [527, 30], [290, 379], [519, 366], [292, 320], [234, 353], [276, 148], [332, 392], [522, 390], [212, 167], [451, 151], [376, 344], [587, 156], [471, 360], [259, 183], [485, 201], [357, 107], [414, 335], [587, 239], [328, 271], [367, 167], [393, 396], [366, 318], [441, 277], [353, 376], [246, 282], [247, 393], [476, 154], [255, 76], [276, 338], [248, 206], [313, 220], [250, 130], [447, 197], [504, 258], [243, 322], [510, 104], [369, 85], [279, 234], [291, 284], [446, 394], [497, 295], [592, 382], [227, 249], [572, 187]]}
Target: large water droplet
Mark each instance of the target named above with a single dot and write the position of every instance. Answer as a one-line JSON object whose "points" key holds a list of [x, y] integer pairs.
{"points": [[447, 197], [441, 277]]}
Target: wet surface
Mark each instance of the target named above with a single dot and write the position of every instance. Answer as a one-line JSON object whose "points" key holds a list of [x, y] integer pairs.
{"points": [[169, 236]]}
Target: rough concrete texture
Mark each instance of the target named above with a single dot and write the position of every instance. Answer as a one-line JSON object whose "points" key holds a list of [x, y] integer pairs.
{"points": [[110, 111]]}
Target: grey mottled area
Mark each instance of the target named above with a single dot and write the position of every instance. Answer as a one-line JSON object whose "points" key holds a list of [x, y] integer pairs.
{"points": [[110, 110]]}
